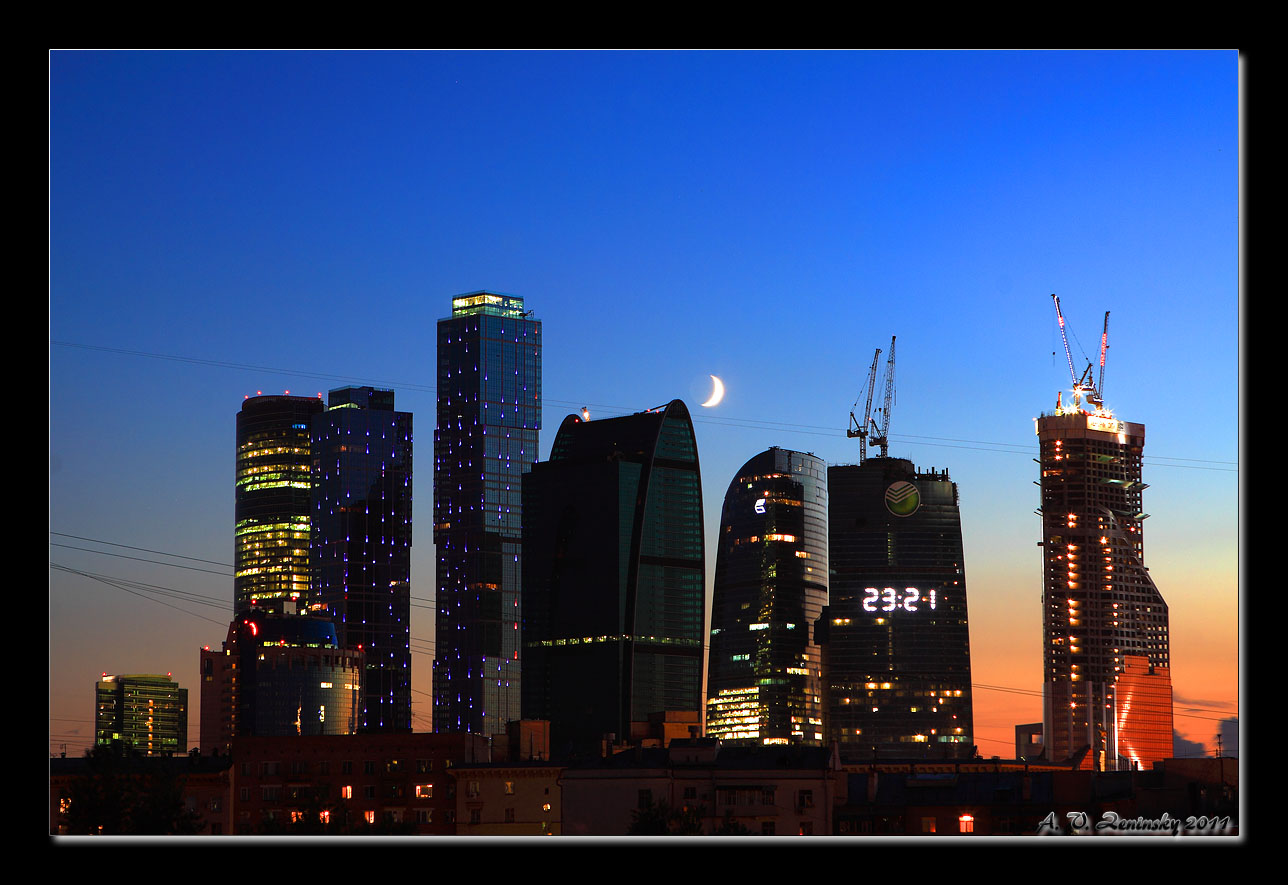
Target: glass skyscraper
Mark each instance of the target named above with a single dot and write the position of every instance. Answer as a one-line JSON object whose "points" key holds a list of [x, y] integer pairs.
{"points": [[489, 415], [361, 543], [895, 633], [273, 487], [764, 684], [614, 577], [1099, 604]]}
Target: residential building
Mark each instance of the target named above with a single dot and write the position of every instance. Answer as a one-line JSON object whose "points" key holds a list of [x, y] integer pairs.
{"points": [[764, 679], [147, 714], [485, 439]]}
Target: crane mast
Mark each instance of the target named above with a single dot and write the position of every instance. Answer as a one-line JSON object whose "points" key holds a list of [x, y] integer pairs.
{"points": [[882, 436], [861, 429]]}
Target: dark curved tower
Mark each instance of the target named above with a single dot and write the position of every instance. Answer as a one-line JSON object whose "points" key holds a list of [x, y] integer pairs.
{"points": [[614, 577], [274, 459], [764, 684]]}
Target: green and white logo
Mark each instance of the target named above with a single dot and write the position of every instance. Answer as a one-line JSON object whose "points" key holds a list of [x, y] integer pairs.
{"points": [[902, 498]]}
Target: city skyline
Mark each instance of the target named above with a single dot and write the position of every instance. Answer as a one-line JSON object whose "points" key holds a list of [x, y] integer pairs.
{"points": [[766, 218]]}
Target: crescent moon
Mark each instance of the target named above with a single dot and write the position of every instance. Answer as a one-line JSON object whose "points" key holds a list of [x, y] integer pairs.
{"points": [[717, 393]]}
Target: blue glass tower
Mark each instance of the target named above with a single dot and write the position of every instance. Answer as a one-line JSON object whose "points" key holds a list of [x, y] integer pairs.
{"points": [[360, 549], [489, 414]]}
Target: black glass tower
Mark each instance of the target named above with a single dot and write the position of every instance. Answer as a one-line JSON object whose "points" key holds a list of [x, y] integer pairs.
{"points": [[489, 414], [614, 577], [764, 680], [274, 459], [896, 640], [361, 543]]}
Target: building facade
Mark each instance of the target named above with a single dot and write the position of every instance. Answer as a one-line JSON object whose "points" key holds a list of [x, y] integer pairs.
{"points": [[148, 714], [1099, 604], [895, 634], [360, 551], [485, 439], [614, 577], [278, 675], [273, 486], [764, 679]]}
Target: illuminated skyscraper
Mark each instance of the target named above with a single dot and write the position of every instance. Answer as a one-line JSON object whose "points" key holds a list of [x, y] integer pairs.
{"points": [[614, 577], [271, 555], [763, 680], [145, 713], [1099, 604], [361, 543], [489, 414], [895, 634]]}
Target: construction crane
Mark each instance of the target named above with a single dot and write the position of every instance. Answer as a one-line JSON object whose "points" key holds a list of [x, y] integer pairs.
{"points": [[882, 435], [1083, 387], [860, 429]]}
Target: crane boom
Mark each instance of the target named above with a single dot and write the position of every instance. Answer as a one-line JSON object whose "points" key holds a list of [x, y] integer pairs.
{"points": [[1073, 374], [861, 429], [1104, 345]]}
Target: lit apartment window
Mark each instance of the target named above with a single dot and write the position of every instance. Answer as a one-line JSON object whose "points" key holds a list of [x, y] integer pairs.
{"points": [[509, 788], [927, 825], [424, 791], [966, 823], [346, 792]]}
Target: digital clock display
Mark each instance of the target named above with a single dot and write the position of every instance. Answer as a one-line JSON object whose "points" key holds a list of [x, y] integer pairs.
{"points": [[889, 599]]}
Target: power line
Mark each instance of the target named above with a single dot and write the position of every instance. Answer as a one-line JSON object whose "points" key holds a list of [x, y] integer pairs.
{"points": [[617, 410]]}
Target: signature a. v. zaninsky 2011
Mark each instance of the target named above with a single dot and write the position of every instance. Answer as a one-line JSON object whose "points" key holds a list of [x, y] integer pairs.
{"points": [[1113, 824]]}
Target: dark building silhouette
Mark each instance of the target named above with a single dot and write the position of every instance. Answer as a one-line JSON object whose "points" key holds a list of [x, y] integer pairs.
{"points": [[489, 414], [278, 675], [1106, 655], [361, 543], [764, 684], [613, 604], [895, 634], [273, 485]]}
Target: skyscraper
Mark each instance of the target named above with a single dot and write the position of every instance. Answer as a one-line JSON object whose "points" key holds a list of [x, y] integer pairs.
{"points": [[145, 713], [764, 684], [614, 577], [361, 542], [271, 555], [1099, 604], [895, 634], [489, 414]]}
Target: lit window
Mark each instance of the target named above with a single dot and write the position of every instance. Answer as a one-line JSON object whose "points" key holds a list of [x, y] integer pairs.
{"points": [[966, 823]]}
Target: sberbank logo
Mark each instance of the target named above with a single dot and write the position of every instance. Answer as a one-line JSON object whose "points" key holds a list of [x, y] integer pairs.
{"points": [[902, 498]]}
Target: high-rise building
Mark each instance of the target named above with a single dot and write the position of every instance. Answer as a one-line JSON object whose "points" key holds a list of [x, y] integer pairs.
{"points": [[148, 714], [614, 578], [361, 543], [278, 675], [896, 643], [271, 555], [1099, 604], [489, 414], [764, 684]]}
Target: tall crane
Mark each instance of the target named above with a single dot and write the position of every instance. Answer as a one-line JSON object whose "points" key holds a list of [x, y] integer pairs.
{"points": [[1083, 387], [860, 429], [882, 436]]}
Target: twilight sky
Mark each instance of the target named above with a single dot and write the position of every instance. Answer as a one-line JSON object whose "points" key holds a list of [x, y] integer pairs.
{"points": [[227, 223]]}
